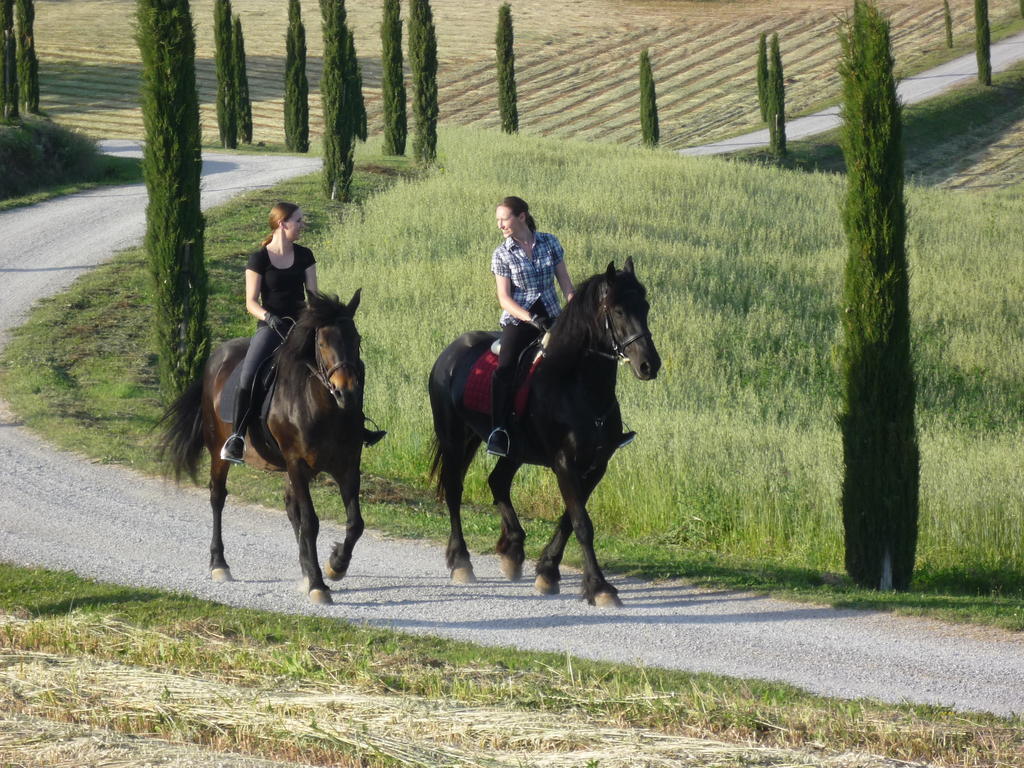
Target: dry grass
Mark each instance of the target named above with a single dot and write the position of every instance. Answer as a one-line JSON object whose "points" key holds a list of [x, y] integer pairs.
{"points": [[40, 743], [229, 699], [576, 61], [318, 723]]}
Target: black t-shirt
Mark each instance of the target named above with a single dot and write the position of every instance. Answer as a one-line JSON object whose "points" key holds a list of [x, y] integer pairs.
{"points": [[282, 291]]}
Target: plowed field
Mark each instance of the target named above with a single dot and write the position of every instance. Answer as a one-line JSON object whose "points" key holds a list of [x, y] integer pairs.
{"points": [[576, 61]]}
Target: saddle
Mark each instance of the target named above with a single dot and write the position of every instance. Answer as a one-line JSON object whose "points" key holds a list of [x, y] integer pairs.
{"points": [[262, 396], [476, 390]]}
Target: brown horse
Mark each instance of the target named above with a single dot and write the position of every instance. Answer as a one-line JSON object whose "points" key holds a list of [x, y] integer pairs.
{"points": [[314, 424]]}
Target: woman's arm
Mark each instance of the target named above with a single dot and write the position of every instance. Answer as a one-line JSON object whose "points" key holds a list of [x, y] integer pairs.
{"points": [[311, 278], [504, 286], [562, 274], [253, 281]]}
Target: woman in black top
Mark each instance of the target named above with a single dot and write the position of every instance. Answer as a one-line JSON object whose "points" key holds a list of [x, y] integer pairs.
{"points": [[276, 280]]}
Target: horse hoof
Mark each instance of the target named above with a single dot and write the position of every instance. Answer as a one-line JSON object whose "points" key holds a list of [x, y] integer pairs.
{"points": [[332, 574], [221, 574], [607, 600], [463, 575], [320, 597], [510, 569], [542, 585]]}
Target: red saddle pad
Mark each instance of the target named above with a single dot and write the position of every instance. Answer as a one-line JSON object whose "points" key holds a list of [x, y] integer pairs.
{"points": [[477, 395]]}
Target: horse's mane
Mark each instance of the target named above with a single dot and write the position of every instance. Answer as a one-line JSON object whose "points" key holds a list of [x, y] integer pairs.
{"points": [[297, 349], [578, 322]]}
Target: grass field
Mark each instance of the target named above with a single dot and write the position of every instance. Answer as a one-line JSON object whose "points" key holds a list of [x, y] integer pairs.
{"points": [[576, 63]]}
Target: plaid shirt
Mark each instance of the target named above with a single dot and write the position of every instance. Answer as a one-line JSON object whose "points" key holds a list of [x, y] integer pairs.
{"points": [[532, 279]]}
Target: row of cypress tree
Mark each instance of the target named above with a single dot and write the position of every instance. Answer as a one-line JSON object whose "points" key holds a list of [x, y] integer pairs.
{"points": [[19, 67], [234, 108], [341, 87]]}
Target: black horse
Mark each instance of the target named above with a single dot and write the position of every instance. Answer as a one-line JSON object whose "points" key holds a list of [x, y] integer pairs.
{"points": [[571, 424], [315, 424]]}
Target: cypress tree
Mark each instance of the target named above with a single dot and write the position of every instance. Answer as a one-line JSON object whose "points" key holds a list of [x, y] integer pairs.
{"points": [[344, 113], [776, 101], [242, 103], [506, 71], [224, 56], [393, 80], [947, 17], [296, 86], [880, 453], [762, 75], [28, 64], [8, 62], [648, 102], [423, 59], [354, 102], [983, 42], [171, 164]]}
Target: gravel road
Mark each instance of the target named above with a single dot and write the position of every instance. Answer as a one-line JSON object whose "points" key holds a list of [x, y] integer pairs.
{"points": [[62, 511]]}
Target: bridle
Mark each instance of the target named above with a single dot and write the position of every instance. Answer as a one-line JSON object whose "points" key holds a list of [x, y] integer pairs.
{"points": [[322, 373], [618, 348]]}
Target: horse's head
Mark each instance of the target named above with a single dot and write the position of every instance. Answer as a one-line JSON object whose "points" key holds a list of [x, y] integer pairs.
{"points": [[624, 309], [327, 333]]}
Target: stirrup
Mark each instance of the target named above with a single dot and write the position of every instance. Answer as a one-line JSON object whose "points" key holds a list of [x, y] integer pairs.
{"points": [[234, 449], [626, 439], [498, 442]]}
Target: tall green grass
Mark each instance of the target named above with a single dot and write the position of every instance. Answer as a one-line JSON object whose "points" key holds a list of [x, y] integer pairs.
{"points": [[738, 450]]}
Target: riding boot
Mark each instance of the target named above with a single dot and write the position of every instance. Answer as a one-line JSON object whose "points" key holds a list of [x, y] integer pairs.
{"points": [[498, 442], [234, 446], [372, 436]]}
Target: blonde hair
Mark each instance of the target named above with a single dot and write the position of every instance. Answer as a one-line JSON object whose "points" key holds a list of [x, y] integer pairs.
{"points": [[280, 212]]}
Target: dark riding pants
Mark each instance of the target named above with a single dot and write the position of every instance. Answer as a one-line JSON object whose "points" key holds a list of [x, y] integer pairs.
{"points": [[261, 347], [514, 339]]}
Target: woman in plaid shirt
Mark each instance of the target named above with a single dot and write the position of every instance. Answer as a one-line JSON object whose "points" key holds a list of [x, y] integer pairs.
{"points": [[525, 266]]}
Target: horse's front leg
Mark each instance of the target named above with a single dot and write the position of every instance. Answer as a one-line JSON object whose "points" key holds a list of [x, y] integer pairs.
{"points": [[575, 492], [307, 527], [341, 555], [548, 564], [510, 543]]}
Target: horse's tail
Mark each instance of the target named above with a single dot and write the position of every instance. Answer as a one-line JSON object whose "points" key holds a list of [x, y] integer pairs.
{"points": [[437, 466], [182, 425]]}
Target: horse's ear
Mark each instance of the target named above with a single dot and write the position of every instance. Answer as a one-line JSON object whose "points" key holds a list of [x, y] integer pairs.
{"points": [[353, 303], [628, 266], [610, 272]]}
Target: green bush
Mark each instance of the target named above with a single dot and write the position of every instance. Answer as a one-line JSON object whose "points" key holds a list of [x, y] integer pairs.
{"points": [[36, 153]]}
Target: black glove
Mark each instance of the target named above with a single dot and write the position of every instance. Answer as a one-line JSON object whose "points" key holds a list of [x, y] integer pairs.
{"points": [[541, 322], [274, 322]]}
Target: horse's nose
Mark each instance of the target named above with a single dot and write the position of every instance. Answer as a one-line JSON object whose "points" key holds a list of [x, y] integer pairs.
{"points": [[649, 367], [345, 378]]}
